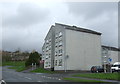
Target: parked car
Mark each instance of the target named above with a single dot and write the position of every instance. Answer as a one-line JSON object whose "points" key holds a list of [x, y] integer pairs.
{"points": [[115, 67], [97, 69]]}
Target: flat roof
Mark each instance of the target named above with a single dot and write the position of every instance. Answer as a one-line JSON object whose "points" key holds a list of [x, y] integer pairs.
{"points": [[75, 28]]}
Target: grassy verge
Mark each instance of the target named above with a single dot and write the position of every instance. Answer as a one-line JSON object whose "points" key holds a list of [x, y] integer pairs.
{"points": [[109, 76], [13, 63], [80, 80], [17, 65], [18, 68], [41, 70]]}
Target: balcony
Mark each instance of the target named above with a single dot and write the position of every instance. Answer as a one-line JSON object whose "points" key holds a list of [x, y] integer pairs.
{"points": [[60, 44], [60, 34]]}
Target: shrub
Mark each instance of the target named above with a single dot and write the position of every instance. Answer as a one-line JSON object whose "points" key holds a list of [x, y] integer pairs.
{"points": [[33, 58]]}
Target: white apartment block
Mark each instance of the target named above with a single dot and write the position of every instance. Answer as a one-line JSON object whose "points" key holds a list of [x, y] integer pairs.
{"points": [[71, 48], [110, 54]]}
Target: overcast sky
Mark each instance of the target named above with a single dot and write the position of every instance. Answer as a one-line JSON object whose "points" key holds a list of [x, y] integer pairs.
{"points": [[25, 24]]}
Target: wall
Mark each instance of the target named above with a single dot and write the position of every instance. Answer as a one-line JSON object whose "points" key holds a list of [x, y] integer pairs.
{"points": [[113, 56], [83, 49], [58, 29], [50, 52], [107, 53]]}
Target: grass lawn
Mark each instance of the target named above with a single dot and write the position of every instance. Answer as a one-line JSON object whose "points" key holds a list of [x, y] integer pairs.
{"points": [[41, 70], [109, 76], [17, 65], [13, 63], [18, 68], [80, 80]]}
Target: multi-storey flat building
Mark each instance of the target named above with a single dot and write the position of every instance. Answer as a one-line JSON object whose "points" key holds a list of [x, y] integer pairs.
{"points": [[48, 49], [110, 54], [71, 48]]}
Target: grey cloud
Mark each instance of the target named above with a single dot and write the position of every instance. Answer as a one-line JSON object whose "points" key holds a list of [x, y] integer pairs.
{"points": [[25, 39], [36, 22], [26, 15], [92, 12], [91, 9]]}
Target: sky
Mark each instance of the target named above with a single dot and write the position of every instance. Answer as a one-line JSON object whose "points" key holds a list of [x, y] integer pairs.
{"points": [[25, 24]]}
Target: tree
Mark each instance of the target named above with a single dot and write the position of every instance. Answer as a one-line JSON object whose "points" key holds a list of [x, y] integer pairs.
{"points": [[6, 56], [33, 58]]}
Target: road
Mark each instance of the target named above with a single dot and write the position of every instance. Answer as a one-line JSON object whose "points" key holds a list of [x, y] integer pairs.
{"points": [[10, 75], [0, 72]]}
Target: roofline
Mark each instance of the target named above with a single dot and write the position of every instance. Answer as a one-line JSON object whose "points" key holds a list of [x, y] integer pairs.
{"points": [[75, 28], [111, 48], [49, 31], [62, 24], [85, 30]]}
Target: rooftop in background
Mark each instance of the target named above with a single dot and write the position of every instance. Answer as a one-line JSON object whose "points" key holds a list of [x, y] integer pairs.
{"points": [[75, 28], [111, 48]]}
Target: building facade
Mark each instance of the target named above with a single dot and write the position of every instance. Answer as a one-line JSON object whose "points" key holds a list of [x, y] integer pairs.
{"points": [[110, 55], [48, 49], [71, 48]]}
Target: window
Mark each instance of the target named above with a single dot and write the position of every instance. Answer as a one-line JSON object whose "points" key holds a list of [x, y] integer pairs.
{"points": [[60, 44], [56, 53], [56, 36], [60, 62], [47, 48], [60, 52], [55, 62], [47, 41], [60, 34], [49, 55], [46, 57], [56, 44], [60, 38], [46, 62]]}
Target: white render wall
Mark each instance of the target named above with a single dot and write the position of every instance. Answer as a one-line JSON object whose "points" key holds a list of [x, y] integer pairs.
{"points": [[83, 49], [113, 56], [48, 50], [58, 29], [108, 52]]}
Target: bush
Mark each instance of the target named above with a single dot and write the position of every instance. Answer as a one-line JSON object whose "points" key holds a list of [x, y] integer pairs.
{"points": [[27, 63], [33, 58]]}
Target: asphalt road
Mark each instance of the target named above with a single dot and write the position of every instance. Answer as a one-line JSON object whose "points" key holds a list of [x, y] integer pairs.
{"points": [[10, 75], [0, 72]]}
